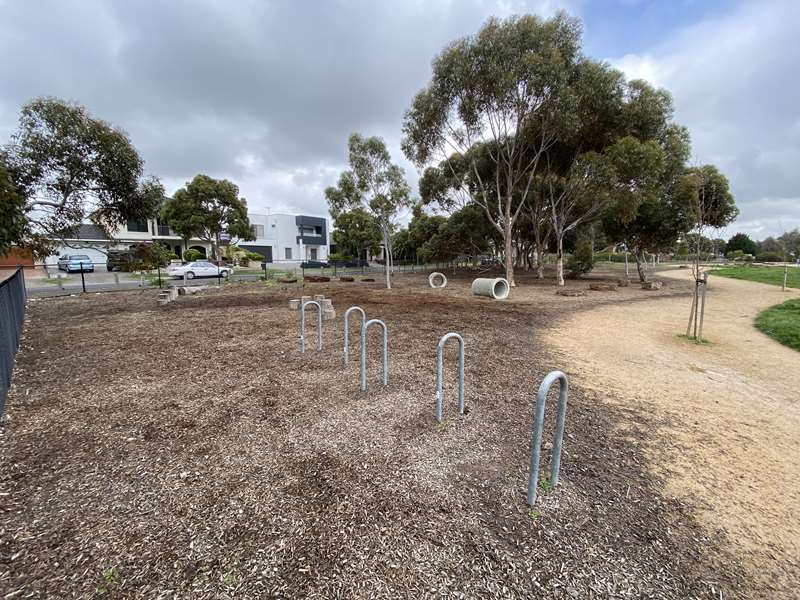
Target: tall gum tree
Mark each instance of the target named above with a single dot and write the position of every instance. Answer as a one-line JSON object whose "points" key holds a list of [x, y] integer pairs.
{"points": [[376, 185], [70, 167], [503, 90]]}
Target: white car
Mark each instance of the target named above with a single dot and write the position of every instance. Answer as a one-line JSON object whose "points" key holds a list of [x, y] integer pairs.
{"points": [[199, 268]]}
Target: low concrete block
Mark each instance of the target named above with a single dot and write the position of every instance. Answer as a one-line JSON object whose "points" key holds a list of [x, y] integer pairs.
{"points": [[294, 304]]}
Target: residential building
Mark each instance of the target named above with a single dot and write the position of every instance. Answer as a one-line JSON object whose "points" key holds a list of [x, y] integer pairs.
{"points": [[288, 238], [279, 238]]}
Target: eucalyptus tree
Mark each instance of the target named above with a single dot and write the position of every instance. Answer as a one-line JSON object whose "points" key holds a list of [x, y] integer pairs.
{"points": [[69, 167], [374, 184], [500, 97], [355, 231], [208, 209]]}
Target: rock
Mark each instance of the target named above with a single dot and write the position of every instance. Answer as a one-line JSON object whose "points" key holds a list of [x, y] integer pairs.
{"points": [[571, 293], [316, 279], [286, 280], [294, 304], [652, 285], [623, 282], [602, 287]]}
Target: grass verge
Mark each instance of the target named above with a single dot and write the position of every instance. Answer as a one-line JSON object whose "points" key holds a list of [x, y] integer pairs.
{"points": [[782, 323], [760, 274]]}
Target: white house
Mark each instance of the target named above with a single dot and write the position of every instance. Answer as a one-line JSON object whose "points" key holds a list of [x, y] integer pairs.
{"points": [[288, 238], [279, 238]]}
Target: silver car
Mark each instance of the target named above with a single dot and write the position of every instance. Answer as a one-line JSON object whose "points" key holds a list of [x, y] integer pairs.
{"points": [[75, 262]]}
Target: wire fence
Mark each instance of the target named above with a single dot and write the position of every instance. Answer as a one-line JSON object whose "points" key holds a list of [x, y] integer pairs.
{"points": [[12, 315]]}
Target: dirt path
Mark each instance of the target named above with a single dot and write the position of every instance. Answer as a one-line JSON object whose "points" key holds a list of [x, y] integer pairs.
{"points": [[731, 446]]}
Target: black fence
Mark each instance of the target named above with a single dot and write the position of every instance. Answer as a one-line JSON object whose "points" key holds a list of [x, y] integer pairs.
{"points": [[12, 315]]}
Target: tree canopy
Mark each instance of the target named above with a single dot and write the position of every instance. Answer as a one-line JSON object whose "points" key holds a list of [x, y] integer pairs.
{"points": [[375, 185], [743, 242], [207, 208], [354, 231], [71, 167]]}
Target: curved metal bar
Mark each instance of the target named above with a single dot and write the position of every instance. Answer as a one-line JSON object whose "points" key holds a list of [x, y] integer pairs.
{"points": [[347, 330], [303, 324], [364, 328], [538, 425], [440, 371]]}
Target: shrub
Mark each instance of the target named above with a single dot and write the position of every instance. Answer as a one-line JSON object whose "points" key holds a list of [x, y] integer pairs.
{"points": [[254, 256], [192, 255], [582, 260], [338, 256], [769, 257]]}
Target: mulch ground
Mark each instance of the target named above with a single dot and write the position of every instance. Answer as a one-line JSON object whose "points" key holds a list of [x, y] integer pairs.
{"points": [[192, 451]]}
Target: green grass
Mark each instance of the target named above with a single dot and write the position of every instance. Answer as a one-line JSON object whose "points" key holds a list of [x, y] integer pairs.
{"points": [[691, 338], [771, 275], [782, 323]]}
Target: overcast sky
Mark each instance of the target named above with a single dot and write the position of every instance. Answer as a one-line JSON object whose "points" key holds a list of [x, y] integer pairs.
{"points": [[266, 93]]}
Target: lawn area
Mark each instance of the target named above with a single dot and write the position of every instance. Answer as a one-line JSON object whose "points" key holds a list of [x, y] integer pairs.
{"points": [[782, 322], [760, 274]]}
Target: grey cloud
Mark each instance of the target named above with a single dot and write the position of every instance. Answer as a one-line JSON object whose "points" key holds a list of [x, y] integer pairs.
{"points": [[202, 86], [734, 87]]}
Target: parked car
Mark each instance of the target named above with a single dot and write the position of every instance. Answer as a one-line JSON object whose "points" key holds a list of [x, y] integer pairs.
{"points": [[314, 264], [199, 268], [75, 262]]}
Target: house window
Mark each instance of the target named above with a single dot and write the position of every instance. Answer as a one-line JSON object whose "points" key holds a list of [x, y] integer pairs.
{"points": [[258, 230], [288, 253], [138, 226]]}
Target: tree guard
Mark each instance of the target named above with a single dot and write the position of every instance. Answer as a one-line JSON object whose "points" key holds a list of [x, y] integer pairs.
{"points": [[538, 425]]}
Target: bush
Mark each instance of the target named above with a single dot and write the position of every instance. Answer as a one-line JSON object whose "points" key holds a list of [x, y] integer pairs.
{"points": [[192, 255], [769, 257], [254, 256], [582, 260], [339, 256]]}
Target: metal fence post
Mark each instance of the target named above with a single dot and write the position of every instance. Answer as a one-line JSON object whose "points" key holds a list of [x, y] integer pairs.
{"points": [[347, 330], [303, 324], [440, 374], [364, 328], [83, 280], [538, 426], [158, 270]]}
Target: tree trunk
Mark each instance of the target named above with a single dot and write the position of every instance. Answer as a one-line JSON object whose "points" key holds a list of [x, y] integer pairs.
{"points": [[641, 264], [560, 262], [386, 261], [509, 246]]}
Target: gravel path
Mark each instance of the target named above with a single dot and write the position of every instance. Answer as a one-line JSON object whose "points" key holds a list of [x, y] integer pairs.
{"points": [[730, 444]]}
